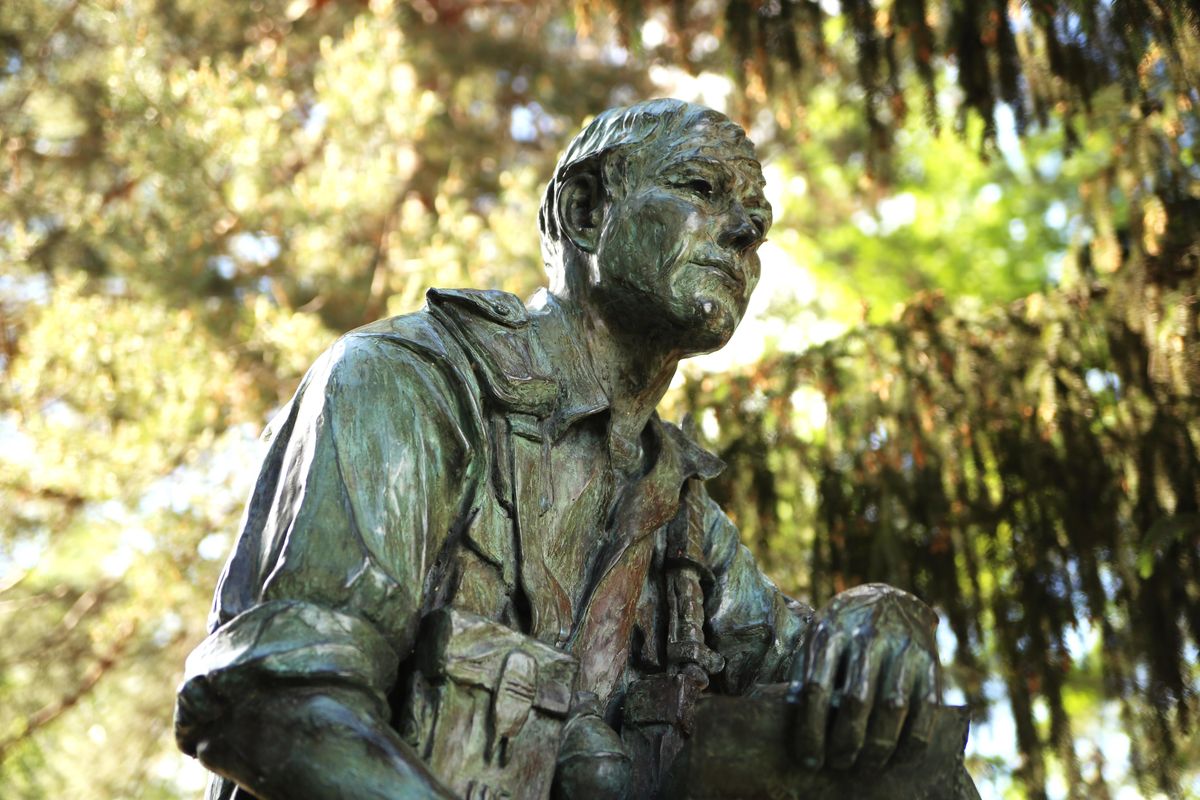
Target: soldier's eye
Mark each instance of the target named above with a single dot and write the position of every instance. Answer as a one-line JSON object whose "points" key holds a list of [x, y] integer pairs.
{"points": [[699, 186]]}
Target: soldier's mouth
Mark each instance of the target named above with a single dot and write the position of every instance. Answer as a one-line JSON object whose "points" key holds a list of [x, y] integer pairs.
{"points": [[726, 271]]}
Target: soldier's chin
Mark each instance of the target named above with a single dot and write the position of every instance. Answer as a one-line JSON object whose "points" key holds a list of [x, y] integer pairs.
{"points": [[713, 321]]}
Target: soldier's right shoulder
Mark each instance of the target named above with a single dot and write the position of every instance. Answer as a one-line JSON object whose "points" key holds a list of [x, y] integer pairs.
{"points": [[418, 332], [378, 365], [438, 330]]}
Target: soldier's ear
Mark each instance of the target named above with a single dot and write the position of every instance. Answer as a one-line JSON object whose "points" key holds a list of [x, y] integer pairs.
{"points": [[581, 210]]}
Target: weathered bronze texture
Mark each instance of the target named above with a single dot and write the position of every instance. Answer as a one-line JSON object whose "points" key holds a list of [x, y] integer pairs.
{"points": [[477, 564], [738, 751]]}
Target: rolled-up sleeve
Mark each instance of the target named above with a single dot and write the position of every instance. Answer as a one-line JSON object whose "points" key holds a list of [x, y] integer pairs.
{"points": [[753, 625], [372, 470]]}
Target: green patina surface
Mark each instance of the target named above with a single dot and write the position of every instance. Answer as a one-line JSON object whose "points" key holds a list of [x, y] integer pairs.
{"points": [[477, 563]]}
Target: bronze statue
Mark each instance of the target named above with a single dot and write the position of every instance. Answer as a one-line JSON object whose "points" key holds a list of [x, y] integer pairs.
{"points": [[477, 564]]}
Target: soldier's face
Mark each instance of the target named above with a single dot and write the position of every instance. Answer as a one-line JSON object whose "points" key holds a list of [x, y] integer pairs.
{"points": [[677, 254]]}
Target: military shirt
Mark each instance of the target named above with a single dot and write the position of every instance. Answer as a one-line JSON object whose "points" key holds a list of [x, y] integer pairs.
{"points": [[461, 455]]}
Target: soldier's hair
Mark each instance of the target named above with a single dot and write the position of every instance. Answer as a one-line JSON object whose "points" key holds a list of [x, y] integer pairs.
{"points": [[616, 144]]}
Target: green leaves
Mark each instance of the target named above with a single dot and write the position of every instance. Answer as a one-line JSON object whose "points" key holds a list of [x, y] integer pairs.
{"points": [[199, 197], [1164, 538]]}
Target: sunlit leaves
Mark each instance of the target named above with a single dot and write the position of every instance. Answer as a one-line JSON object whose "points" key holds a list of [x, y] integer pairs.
{"points": [[196, 198], [147, 400]]}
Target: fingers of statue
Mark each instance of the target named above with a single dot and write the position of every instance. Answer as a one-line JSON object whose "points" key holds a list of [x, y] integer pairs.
{"points": [[897, 684], [815, 688], [926, 695], [856, 696]]}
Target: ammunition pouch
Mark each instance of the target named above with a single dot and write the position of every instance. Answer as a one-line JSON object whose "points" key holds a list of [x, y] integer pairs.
{"points": [[484, 707]]}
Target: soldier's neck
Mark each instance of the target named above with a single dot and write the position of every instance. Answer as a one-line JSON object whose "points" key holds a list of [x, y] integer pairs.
{"points": [[634, 371]]}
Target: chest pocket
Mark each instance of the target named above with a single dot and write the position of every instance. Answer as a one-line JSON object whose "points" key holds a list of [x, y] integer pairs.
{"points": [[486, 706]]}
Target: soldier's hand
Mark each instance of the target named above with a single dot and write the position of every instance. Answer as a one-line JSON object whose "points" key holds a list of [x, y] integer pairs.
{"points": [[866, 681]]}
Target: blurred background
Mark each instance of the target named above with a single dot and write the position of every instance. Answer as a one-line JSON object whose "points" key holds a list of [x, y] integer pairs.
{"points": [[970, 370]]}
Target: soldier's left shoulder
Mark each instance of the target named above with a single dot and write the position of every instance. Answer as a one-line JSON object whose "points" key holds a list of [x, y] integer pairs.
{"points": [[483, 305], [683, 440], [494, 328]]}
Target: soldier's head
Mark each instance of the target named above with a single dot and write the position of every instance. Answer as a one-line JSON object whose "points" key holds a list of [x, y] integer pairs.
{"points": [[654, 216]]}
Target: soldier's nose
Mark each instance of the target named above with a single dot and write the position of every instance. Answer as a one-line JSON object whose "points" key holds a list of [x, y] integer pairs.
{"points": [[739, 234]]}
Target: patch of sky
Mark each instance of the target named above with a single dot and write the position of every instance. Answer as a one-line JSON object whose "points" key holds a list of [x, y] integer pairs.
{"points": [[16, 445], [168, 628], [213, 547], [223, 266], [54, 147], [878, 437], [185, 775], [135, 539], [1108, 580], [24, 554], [990, 194], [1099, 381], [947, 645], [995, 737], [1054, 267], [115, 286], [256, 248], [26, 288], [1141, 674], [1049, 165], [60, 413], [809, 409], [44, 223], [614, 55], [865, 222], [12, 64], [227, 472], [117, 563], [528, 122], [166, 495], [1007, 140], [147, 190], [831, 7], [754, 403], [1081, 640], [707, 88], [138, 539], [1020, 17], [314, 124], [654, 33], [1056, 215], [521, 126], [896, 212], [703, 44], [1017, 231]]}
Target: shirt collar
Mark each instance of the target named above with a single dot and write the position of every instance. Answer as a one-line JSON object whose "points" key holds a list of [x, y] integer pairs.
{"points": [[580, 394]]}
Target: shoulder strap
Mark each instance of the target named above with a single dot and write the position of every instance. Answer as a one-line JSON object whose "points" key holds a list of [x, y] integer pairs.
{"points": [[494, 329]]}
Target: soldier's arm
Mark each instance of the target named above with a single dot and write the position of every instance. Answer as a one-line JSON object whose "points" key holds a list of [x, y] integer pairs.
{"points": [[753, 625], [288, 696], [884, 638]]}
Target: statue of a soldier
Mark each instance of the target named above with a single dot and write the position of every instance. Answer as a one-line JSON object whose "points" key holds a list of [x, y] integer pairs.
{"points": [[477, 564]]}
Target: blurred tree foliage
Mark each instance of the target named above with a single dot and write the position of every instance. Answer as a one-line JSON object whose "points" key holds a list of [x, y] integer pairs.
{"points": [[198, 197]]}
